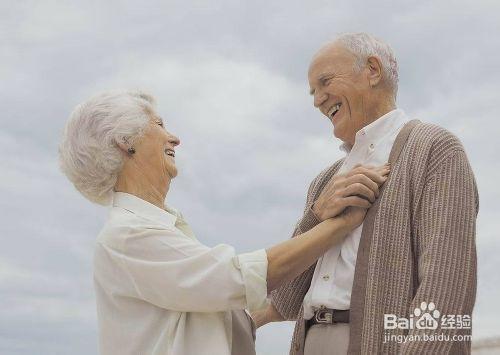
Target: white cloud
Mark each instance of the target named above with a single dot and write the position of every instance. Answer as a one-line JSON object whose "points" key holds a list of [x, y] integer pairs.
{"points": [[231, 82]]}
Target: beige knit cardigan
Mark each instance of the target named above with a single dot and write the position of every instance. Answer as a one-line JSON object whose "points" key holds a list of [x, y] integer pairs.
{"points": [[417, 245]]}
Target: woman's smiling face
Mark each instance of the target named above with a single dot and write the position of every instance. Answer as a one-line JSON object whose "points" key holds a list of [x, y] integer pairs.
{"points": [[155, 150]]}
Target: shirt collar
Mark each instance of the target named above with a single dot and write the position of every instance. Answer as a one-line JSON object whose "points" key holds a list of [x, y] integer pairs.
{"points": [[144, 209], [376, 130]]}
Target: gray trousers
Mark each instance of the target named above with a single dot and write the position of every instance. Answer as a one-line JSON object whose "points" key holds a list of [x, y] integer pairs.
{"points": [[327, 339]]}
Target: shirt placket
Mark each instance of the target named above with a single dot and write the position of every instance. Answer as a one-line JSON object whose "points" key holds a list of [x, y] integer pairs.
{"points": [[360, 154], [324, 279]]}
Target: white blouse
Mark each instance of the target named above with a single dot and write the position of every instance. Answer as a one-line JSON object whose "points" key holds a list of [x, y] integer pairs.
{"points": [[160, 291]]}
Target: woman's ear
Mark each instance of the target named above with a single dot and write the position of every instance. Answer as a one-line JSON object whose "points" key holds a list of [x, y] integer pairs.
{"points": [[374, 71], [124, 146]]}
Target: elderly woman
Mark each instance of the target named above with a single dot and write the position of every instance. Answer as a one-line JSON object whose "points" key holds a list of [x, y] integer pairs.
{"points": [[158, 289]]}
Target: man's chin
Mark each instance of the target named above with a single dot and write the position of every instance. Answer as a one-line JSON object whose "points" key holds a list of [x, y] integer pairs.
{"points": [[341, 132], [337, 131]]}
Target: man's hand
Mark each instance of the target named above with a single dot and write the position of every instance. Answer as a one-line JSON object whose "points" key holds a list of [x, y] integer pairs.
{"points": [[266, 315], [357, 188]]}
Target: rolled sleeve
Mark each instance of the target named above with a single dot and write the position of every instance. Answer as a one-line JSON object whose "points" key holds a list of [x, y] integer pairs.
{"points": [[253, 268], [309, 221], [172, 271]]}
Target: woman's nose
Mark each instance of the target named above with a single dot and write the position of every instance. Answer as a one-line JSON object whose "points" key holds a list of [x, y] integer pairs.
{"points": [[174, 140]]}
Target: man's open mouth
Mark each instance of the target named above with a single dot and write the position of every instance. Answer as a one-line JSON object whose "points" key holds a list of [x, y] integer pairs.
{"points": [[333, 110], [170, 152]]}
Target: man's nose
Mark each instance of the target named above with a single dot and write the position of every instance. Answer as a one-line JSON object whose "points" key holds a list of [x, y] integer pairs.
{"points": [[319, 98]]}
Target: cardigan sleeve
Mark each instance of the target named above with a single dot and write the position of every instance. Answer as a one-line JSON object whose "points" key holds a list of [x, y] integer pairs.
{"points": [[446, 256]]}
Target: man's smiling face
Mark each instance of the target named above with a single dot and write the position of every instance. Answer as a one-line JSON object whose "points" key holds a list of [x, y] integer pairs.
{"points": [[340, 92]]}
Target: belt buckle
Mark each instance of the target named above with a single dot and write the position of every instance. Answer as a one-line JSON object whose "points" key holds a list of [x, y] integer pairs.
{"points": [[324, 316]]}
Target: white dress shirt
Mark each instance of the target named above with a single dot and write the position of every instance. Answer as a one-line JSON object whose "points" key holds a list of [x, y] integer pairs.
{"points": [[160, 291], [331, 284]]}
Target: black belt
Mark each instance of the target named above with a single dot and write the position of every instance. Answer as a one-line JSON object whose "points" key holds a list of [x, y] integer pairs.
{"points": [[329, 316]]}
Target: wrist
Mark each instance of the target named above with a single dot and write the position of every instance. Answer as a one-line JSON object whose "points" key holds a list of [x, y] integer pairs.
{"points": [[273, 315], [316, 212], [259, 318], [346, 223], [340, 227]]}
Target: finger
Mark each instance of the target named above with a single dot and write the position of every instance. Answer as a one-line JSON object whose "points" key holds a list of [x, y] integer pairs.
{"points": [[330, 189], [356, 201], [384, 169], [374, 175], [357, 169], [383, 172], [359, 189], [365, 180], [361, 169], [365, 166], [333, 181]]}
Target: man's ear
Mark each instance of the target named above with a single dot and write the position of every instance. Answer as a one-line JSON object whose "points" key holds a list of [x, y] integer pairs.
{"points": [[375, 70]]}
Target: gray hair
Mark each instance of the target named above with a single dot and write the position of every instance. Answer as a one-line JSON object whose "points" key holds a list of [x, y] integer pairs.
{"points": [[88, 154], [364, 45]]}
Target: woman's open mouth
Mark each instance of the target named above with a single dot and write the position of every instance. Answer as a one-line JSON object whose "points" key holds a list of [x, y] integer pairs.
{"points": [[170, 152]]}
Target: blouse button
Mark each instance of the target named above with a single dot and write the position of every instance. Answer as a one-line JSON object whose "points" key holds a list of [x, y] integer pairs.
{"points": [[326, 277]]}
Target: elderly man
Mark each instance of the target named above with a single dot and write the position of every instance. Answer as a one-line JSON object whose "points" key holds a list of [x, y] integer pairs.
{"points": [[405, 280]]}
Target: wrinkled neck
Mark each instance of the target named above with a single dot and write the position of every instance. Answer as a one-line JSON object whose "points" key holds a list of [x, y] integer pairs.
{"points": [[382, 106], [143, 184]]}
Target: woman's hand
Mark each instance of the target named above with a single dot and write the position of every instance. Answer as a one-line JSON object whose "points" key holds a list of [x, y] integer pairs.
{"points": [[353, 216]]}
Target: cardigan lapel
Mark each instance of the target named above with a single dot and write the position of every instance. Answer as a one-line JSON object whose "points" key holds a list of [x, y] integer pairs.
{"points": [[361, 270]]}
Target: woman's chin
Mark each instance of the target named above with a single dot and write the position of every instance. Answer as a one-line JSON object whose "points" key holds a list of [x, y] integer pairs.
{"points": [[170, 168], [172, 171]]}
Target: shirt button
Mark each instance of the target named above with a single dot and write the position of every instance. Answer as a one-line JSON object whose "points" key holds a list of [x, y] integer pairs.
{"points": [[326, 277], [372, 146]]}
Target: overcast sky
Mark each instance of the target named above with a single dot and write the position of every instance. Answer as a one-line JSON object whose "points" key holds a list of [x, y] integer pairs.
{"points": [[230, 81]]}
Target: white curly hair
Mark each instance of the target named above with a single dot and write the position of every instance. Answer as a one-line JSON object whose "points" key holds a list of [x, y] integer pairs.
{"points": [[88, 154]]}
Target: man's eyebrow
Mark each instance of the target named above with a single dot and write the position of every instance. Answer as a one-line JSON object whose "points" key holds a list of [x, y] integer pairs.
{"points": [[325, 75], [320, 78]]}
